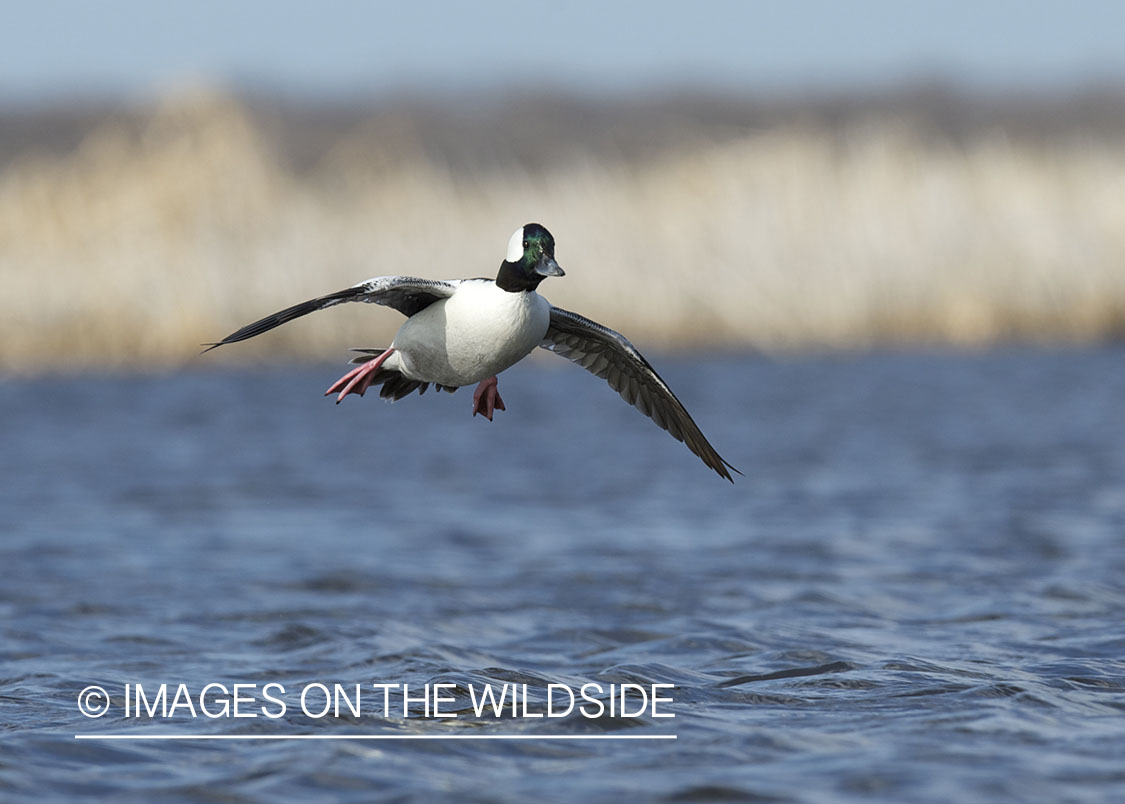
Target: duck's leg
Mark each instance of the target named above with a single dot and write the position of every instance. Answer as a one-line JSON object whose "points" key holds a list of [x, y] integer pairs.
{"points": [[358, 379], [486, 398]]}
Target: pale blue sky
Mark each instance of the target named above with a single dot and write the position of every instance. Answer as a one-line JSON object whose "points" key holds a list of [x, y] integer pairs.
{"points": [[54, 48]]}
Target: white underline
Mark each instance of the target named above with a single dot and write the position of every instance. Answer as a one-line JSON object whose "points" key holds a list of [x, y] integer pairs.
{"points": [[375, 736]]}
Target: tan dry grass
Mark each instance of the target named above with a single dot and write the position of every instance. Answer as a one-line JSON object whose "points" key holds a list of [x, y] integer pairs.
{"points": [[136, 248]]}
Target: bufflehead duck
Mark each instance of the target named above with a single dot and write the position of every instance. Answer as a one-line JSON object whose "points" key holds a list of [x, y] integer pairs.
{"points": [[463, 331]]}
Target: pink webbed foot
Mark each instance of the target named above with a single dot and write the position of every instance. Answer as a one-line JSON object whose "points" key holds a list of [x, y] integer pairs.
{"points": [[359, 379], [486, 398]]}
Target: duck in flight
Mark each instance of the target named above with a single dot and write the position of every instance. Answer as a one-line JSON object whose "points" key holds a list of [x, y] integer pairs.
{"points": [[463, 331]]}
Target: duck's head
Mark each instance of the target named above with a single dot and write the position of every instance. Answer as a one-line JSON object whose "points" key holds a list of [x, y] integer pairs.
{"points": [[530, 259]]}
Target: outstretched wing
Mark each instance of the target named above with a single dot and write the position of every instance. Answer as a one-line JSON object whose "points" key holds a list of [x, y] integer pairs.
{"points": [[407, 294], [609, 355]]}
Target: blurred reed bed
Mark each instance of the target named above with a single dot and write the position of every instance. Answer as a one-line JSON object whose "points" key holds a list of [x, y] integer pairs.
{"points": [[154, 236]]}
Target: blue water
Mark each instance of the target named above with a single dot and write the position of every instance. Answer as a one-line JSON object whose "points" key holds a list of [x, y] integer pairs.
{"points": [[915, 592]]}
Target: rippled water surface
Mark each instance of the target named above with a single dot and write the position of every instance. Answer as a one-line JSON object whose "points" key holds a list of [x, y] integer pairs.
{"points": [[915, 593]]}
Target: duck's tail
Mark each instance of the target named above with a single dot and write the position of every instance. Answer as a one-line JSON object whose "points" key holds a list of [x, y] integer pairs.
{"points": [[394, 385]]}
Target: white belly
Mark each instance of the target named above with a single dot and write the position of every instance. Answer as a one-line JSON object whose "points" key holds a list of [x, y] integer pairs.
{"points": [[477, 333]]}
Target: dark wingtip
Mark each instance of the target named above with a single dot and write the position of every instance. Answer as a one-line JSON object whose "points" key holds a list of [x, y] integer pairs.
{"points": [[722, 468], [289, 314]]}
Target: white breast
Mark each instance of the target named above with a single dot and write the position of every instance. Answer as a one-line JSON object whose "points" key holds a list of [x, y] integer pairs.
{"points": [[476, 333]]}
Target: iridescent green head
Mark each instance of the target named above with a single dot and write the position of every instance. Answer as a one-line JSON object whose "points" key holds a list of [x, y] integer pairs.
{"points": [[530, 259]]}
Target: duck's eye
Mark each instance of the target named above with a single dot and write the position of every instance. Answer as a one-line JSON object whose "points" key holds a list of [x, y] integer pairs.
{"points": [[525, 244]]}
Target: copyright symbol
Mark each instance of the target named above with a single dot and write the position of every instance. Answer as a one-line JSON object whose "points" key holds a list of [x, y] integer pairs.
{"points": [[93, 701]]}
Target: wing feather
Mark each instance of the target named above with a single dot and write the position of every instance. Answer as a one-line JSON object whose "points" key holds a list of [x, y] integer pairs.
{"points": [[608, 354], [407, 294]]}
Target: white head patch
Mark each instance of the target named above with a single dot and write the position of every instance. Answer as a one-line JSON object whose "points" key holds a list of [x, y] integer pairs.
{"points": [[515, 246]]}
